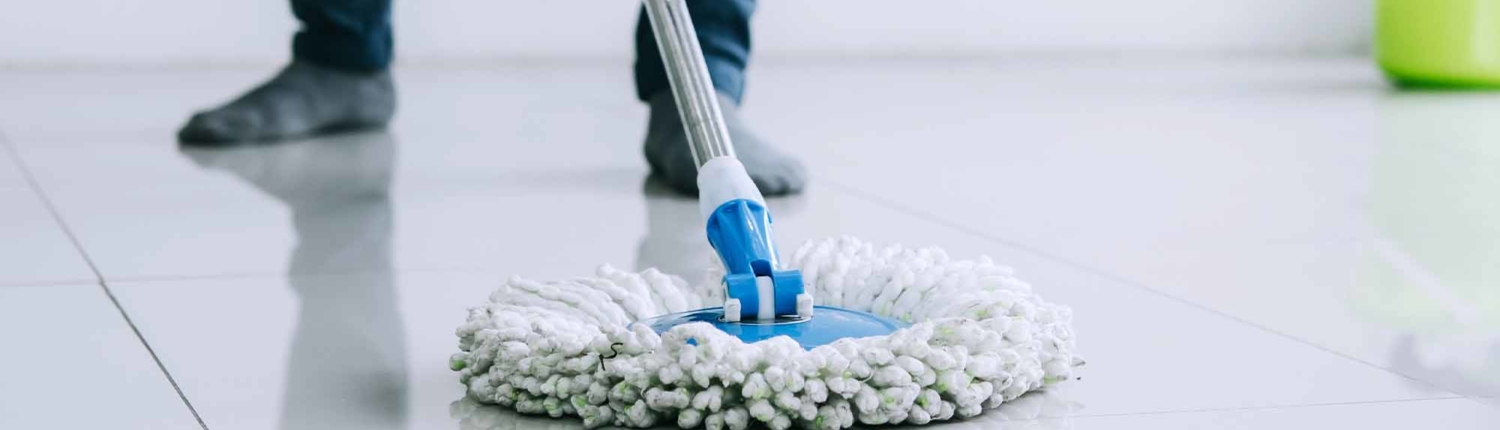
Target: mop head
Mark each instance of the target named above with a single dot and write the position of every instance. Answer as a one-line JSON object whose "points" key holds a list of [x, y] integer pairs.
{"points": [[979, 338]]}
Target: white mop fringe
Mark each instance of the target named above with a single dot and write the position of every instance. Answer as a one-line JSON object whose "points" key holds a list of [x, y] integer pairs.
{"points": [[980, 337]]}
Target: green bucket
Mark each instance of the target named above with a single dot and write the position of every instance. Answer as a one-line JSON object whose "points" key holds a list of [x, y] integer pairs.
{"points": [[1439, 43]]}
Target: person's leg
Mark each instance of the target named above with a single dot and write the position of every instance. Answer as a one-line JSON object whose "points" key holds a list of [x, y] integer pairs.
{"points": [[723, 28], [349, 35], [338, 79]]}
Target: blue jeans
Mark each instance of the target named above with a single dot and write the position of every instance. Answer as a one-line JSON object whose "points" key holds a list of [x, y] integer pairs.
{"points": [[356, 35]]}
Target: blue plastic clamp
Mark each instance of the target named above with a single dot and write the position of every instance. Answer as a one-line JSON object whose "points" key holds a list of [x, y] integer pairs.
{"points": [[740, 231]]}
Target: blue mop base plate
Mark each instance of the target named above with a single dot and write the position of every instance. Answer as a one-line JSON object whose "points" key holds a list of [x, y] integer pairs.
{"points": [[828, 324]]}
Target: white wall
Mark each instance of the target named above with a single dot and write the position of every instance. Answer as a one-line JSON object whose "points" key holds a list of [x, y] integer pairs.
{"points": [[89, 32]]}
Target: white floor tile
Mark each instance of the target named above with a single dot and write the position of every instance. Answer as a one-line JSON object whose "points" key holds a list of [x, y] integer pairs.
{"points": [[10, 173], [31, 242], [33, 246], [329, 352], [70, 361], [1305, 197]]}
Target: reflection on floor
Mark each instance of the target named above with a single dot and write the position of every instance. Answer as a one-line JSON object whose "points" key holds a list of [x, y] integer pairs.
{"points": [[338, 192]]}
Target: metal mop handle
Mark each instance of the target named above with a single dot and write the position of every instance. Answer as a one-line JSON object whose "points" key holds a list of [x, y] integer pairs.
{"points": [[691, 85], [734, 211]]}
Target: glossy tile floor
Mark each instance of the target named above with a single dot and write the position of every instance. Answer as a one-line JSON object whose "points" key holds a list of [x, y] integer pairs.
{"points": [[1280, 244]]}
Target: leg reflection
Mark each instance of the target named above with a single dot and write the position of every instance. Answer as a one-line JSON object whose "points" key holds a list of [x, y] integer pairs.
{"points": [[347, 366]]}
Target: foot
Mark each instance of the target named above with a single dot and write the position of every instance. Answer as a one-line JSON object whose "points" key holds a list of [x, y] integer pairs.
{"points": [[303, 99], [774, 172]]}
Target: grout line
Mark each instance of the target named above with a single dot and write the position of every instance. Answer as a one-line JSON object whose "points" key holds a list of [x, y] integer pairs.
{"points": [[98, 276], [1112, 277], [154, 357]]}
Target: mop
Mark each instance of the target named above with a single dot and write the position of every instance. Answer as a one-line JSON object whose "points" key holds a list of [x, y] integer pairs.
{"points": [[844, 332]]}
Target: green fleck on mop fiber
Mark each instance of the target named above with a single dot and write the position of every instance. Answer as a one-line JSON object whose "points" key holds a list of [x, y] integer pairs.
{"points": [[566, 348]]}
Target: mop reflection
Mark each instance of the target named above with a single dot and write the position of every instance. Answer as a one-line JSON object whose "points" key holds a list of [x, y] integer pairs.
{"points": [[347, 366], [1429, 261], [675, 244]]}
